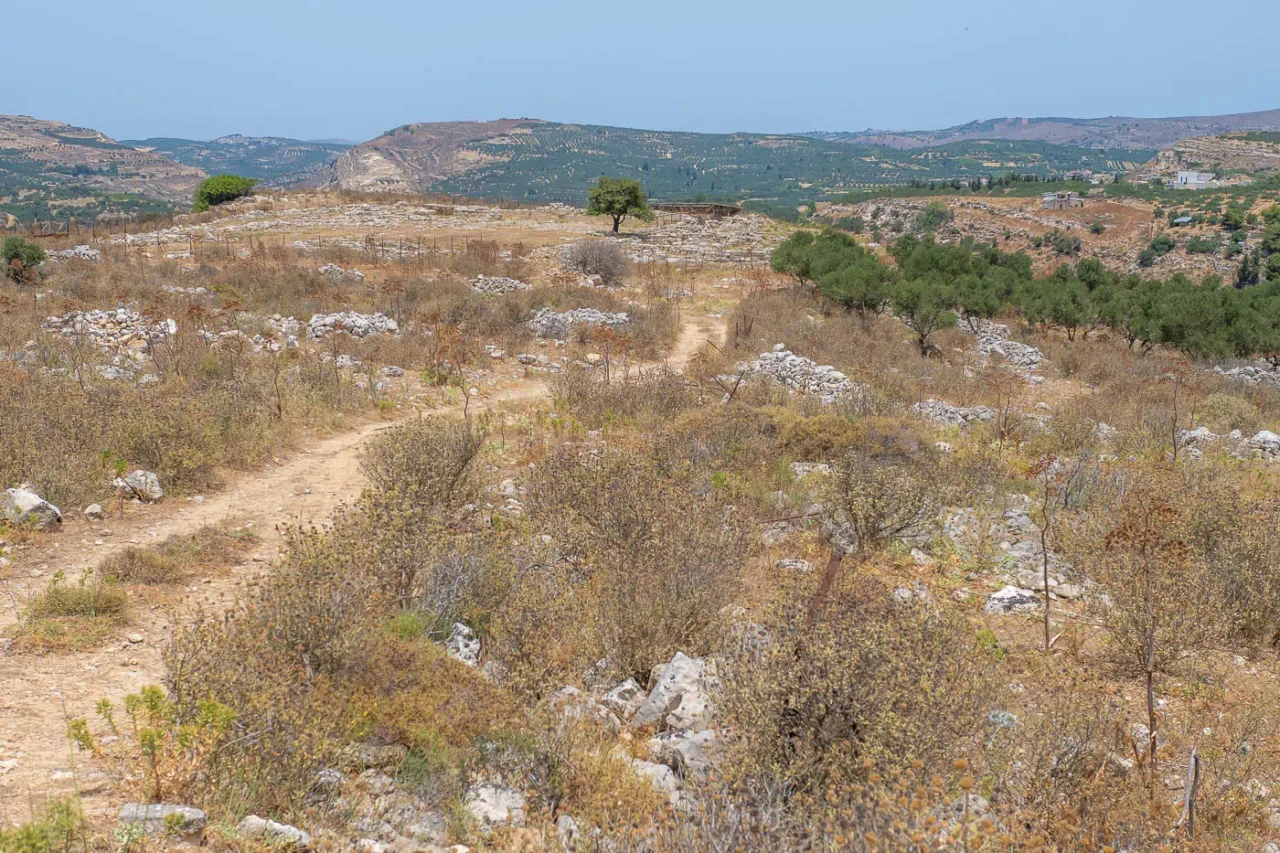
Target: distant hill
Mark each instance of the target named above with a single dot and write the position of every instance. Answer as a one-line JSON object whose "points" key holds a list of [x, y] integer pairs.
{"points": [[270, 159], [1233, 154], [545, 161], [1110, 132], [50, 170]]}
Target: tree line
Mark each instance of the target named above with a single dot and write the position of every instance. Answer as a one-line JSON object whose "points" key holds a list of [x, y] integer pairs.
{"points": [[933, 286]]}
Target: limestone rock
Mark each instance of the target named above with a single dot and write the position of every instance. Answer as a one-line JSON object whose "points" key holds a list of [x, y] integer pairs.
{"points": [[463, 645], [625, 699], [143, 485], [680, 696], [24, 507], [160, 818], [1011, 599], [276, 834], [496, 805]]}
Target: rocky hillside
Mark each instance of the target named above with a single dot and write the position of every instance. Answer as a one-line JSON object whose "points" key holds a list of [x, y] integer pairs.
{"points": [[1109, 132], [48, 168], [1241, 153], [270, 159], [544, 161]]}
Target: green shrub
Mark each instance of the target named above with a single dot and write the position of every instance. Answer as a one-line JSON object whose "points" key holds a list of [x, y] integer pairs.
{"points": [[1162, 245], [58, 829], [21, 258], [220, 189]]}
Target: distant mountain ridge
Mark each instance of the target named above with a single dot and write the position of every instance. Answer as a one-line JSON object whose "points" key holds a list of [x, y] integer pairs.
{"points": [[50, 169], [272, 160], [1109, 132], [534, 160]]}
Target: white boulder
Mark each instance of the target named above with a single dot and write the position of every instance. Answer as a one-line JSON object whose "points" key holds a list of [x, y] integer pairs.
{"points": [[24, 507]]}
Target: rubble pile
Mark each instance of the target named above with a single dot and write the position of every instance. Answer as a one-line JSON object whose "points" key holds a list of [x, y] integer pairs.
{"points": [[1252, 374], [552, 324], [801, 374], [354, 324], [993, 339], [338, 275], [1264, 445], [497, 285], [83, 253], [959, 416], [112, 330], [743, 239]]}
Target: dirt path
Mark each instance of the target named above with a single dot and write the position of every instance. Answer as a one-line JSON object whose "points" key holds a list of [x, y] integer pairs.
{"points": [[42, 692]]}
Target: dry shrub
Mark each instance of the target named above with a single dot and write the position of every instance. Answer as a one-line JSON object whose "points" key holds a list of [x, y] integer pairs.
{"points": [[281, 659], [657, 560], [421, 472], [870, 683], [599, 257], [1140, 542], [652, 395], [178, 557], [428, 462], [1222, 412], [210, 408], [816, 438], [875, 500]]}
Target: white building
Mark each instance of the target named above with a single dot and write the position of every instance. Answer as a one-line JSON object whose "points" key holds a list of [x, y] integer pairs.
{"points": [[1191, 180]]}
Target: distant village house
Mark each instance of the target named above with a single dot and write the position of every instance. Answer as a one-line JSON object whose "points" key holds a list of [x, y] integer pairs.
{"points": [[1061, 200], [1191, 180]]}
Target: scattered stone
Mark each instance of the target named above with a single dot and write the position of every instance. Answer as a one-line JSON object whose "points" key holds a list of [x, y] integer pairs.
{"points": [[572, 704], [94, 512], [993, 339], [1266, 442], [794, 564], [905, 596], [804, 469], [276, 834], [24, 507], [392, 371], [1260, 374]]}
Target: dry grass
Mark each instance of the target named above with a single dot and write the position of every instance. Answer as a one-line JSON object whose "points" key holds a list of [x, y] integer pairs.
{"points": [[69, 616], [179, 557]]}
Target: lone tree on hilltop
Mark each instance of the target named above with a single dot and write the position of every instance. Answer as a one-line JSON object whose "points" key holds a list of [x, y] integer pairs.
{"points": [[619, 198], [221, 188]]}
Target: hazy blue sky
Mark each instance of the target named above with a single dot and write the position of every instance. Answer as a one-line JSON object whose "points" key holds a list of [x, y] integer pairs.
{"points": [[323, 68]]}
